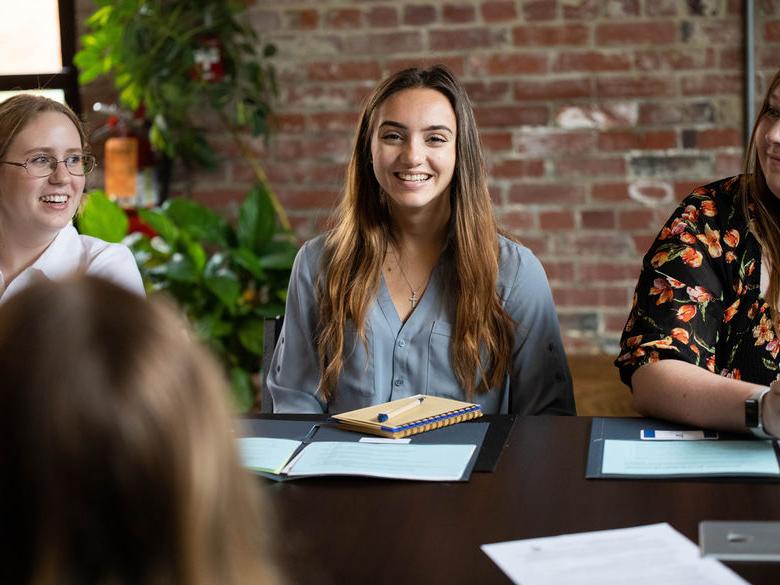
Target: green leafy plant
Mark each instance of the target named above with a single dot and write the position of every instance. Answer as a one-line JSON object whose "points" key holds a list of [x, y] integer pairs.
{"points": [[226, 278], [155, 52]]}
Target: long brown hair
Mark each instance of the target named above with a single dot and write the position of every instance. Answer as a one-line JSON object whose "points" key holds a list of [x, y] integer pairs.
{"points": [[356, 247], [119, 464], [760, 206]]}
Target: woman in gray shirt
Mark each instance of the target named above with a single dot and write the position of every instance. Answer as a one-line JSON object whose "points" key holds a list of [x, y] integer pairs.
{"points": [[415, 291]]}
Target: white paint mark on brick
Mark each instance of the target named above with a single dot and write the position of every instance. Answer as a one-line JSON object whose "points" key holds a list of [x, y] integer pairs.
{"points": [[600, 117], [651, 193]]}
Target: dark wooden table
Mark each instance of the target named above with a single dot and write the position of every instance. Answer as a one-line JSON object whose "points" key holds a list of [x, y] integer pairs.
{"points": [[355, 530]]}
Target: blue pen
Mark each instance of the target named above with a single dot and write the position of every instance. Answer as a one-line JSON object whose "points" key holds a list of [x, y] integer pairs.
{"points": [[383, 416]]}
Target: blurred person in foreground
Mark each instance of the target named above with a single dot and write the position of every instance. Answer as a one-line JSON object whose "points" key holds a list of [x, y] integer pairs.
{"points": [[119, 464]]}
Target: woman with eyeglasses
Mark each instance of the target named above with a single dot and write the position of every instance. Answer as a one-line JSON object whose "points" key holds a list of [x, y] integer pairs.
{"points": [[43, 165]]}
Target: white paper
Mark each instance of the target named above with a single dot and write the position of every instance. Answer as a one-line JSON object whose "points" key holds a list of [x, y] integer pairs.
{"points": [[688, 457], [643, 555], [265, 453], [396, 461]]}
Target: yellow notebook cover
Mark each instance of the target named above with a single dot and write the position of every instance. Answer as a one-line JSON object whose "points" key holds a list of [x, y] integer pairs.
{"points": [[408, 416]]}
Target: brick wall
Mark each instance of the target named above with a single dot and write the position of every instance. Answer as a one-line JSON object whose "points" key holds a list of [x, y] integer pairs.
{"points": [[596, 118]]}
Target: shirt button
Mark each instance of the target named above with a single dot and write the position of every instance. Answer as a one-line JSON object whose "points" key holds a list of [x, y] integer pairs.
{"points": [[402, 343], [399, 382]]}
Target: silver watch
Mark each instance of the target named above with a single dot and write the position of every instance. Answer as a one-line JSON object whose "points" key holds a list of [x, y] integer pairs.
{"points": [[754, 419]]}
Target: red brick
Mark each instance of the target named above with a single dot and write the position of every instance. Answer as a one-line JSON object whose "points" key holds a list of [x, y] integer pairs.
{"points": [[615, 322], [383, 43], [495, 141], [768, 58], [675, 59], [540, 9], [265, 20], [455, 64], [382, 16], [552, 35], [635, 33], [772, 31], [545, 193], [642, 242], [598, 219], [308, 198], [622, 8], [712, 32], [343, 18], [609, 272], [458, 13], [306, 19], [589, 167], [556, 220], [609, 192], [606, 296], [675, 113], [685, 188], [419, 15], [718, 138], [280, 172], [218, 198], [635, 86], [583, 9], [333, 121], [538, 245], [716, 83], [555, 142], [514, 221], [514, 169], [500, 116], [640, 219], [327, 173], [464, 38], [330, 96], [345, 71], [635, 140], [289, 123], [554, 89], [592, 61], [559, 271], [499, 10], [517, 63], [727, 164], [487, 91], [731, 58]]}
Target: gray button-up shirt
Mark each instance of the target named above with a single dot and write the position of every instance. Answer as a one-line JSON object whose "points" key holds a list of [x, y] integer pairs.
{"points": [[404, 359]]}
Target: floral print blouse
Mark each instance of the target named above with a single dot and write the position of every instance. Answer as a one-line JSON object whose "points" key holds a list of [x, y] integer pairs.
{"points": [[698, 297]]}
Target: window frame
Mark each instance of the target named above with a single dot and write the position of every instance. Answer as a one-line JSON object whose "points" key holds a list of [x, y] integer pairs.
{"points": [[67, 78]]}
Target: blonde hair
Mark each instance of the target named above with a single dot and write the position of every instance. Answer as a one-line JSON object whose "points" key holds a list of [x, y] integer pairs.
{"points": [[19, 110], [760, 206], [356, 247], [120, 463]]}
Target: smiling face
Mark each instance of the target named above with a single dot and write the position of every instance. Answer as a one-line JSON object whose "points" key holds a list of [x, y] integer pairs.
{"points": [[38, 207], [768, 142], [413, 148]]}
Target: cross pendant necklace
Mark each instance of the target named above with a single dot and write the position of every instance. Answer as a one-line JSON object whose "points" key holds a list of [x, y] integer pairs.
{"points": [[413, 300]]}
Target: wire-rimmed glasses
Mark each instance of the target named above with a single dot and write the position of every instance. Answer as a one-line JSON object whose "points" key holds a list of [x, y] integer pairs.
{"points": [[43, 165]]}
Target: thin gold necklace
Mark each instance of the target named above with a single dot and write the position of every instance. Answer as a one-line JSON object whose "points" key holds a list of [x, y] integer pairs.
{"points": [[413, 299]]}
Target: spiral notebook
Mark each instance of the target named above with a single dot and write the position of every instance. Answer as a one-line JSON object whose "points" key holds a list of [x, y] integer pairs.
{"points": [[408, 416]]}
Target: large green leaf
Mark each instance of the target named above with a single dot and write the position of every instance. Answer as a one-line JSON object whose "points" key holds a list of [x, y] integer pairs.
{"points": [[102, 218], [243, 389], [161, 224], [250, 334], [225, 287], [200, 222], [256, 219]]}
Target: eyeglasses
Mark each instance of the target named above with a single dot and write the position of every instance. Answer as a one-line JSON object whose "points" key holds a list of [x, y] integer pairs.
{"points": [[42, 165]]}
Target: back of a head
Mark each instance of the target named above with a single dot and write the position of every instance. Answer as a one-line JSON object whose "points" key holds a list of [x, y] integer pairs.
{"points": [[119, 465]]}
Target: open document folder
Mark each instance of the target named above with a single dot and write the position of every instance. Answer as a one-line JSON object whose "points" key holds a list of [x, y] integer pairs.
{"points": [[645, 448], [289, 449]]}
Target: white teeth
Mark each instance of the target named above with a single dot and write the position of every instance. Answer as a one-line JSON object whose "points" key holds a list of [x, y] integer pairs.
{"points": [[413, 176], [54, 198]]}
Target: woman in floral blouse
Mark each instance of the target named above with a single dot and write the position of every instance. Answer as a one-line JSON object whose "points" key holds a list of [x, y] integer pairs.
{"points": [[702, 336]]}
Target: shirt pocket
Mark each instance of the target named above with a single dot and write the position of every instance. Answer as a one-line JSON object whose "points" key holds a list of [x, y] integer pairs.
{"points": [[441, 380]]}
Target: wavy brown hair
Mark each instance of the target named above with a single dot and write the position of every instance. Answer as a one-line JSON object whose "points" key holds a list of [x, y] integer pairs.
{"points": [[760, 206], [355, 249], [118, 459]]}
